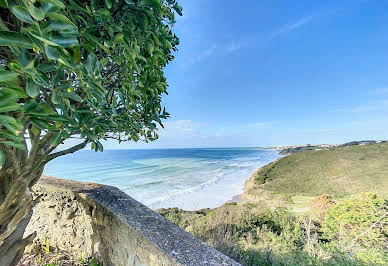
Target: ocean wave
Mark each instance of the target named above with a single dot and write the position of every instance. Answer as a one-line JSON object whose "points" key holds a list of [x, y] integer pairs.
{"points": [[185, 191], [202, 175]]}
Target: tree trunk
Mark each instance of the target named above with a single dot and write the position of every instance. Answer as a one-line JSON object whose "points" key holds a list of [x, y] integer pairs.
{"points": [[16, 204], [12, 248], [19, 173]]}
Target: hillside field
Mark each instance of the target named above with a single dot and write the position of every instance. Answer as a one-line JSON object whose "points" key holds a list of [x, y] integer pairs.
{"points": [[321, 207]]}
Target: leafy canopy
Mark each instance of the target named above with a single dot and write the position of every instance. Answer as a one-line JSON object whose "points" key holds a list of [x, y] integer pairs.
{"points": [[88, 68]]}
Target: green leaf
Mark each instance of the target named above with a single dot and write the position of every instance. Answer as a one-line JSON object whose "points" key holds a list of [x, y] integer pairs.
{"points": [[65, 42], [25, 59], [64, 28], [55, 140], [44, 40], [2, 158], [119, 38], [15, 66], [72, 96], [35, 12], [91, 63], [6, 75], [150, 47], [9, 107], [40, 123], [15, 145], [7, 98], [77, 54], [94, 146], [57, 3], [55, 98], [108, 4], [11, 38], [48, 67], [10, 123], [30, 105], [32, 89], [52, 52], [4, 3], [9, 135], [15, 90], [99, 146], [22, 14], [61, 18]]}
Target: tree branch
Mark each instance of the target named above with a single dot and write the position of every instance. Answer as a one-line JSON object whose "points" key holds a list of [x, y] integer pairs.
{"points": [[67, 151]]}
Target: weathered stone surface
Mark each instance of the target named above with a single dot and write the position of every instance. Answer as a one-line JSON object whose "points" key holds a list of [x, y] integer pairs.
{"points": [[101, 221]]}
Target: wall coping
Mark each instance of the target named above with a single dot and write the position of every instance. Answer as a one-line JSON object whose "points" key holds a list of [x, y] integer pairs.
{"points": [[176, 243]]}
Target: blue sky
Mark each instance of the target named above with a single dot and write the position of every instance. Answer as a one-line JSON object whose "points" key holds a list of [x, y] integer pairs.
{"points": [[260, 73]]}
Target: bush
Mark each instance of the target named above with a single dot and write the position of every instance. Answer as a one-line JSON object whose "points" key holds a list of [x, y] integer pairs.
{"points": [[350, 232], [359, 225]]}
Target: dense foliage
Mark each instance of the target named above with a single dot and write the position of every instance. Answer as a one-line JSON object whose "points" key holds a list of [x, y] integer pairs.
{"points": [[353, 232], [360, 224], [92, 69]]}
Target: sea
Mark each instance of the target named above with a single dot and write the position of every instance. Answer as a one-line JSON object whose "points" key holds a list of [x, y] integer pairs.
{"points": [[189, 179]]}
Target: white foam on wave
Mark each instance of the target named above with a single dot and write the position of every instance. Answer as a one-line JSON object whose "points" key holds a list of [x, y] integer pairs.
{"points": [[222, 184], [188, 179]]}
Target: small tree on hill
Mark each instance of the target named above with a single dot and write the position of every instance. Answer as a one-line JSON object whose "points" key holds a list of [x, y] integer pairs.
{"points": [[68, 68]]}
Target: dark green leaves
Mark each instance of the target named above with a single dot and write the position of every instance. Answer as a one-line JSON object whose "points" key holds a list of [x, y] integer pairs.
{"points": [[92, 70], [150, 47], [55, 140], [92, 64], [65, 42], [11, 38], [11, 124], [32, 89], [12, 106], [6, 75], [57, 3], [108, 4], [22, 14], [35, 12], [52, 52], [8, 102]]}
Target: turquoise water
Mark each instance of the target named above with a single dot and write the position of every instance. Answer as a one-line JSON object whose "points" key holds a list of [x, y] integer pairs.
{"points": [[185, 178]]}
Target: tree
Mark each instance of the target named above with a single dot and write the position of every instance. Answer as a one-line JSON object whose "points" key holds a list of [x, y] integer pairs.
{"points": [[74, 69]]}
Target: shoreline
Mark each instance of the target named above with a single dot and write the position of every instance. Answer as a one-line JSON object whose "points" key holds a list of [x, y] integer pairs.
{"points": [[227, 181], [240, 197]]}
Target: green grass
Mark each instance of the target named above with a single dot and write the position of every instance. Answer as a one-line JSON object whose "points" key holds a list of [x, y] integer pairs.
{"points": [[304, 209], [339, 172]]}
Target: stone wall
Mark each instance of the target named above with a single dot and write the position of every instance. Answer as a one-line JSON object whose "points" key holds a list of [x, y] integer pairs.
{"points": [[101, 221]]}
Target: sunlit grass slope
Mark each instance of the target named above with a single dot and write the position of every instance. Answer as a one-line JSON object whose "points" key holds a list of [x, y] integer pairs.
{"points": [[337, 171]]}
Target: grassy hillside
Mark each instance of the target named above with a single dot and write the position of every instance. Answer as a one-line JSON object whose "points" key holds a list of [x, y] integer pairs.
{"points": [[304, 209], [337, 171]]}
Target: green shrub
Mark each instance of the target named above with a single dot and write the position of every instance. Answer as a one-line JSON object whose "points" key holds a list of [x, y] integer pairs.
{"points": [[359, 225], [349, 232]]}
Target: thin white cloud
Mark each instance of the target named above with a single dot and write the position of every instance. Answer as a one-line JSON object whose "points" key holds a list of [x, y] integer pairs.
{"points": [[262, 124], [237, 45], [317, 132], [201, 56], [234, 46], [293, 26]]}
